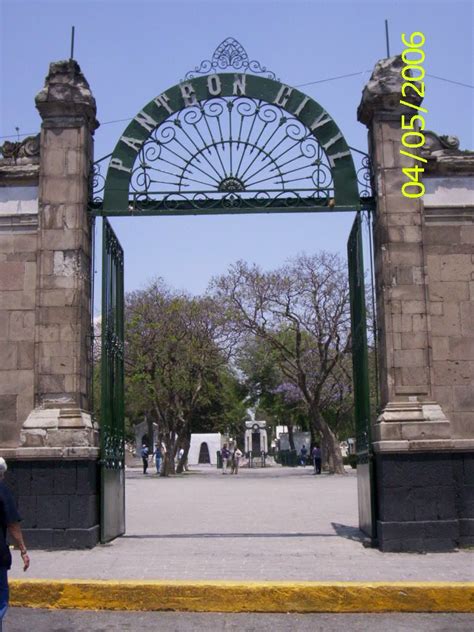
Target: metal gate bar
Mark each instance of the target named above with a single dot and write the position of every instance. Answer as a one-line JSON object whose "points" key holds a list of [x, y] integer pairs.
{"points": [[112, 504]]}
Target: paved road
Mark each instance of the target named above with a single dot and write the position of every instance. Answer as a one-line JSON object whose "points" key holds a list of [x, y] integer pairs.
{"points": [[21, 619], [266, 524]]}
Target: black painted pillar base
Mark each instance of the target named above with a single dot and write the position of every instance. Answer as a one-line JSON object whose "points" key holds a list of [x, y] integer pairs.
{"points": [[425, 501], [58, 501]]}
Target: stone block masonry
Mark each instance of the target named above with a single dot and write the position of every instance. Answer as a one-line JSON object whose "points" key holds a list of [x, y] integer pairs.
{"points": [[425, 501], [18, 269], [58, 500]]}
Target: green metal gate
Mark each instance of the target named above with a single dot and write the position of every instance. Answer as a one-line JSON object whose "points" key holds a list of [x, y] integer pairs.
{"points": [[112, 505], [360, 367]]}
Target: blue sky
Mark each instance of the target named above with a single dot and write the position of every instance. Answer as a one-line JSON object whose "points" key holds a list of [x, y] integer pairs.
{"points": [[132, 51]]}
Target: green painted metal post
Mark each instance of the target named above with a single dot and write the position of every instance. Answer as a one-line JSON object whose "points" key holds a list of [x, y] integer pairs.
{"points": [[360, 365]]}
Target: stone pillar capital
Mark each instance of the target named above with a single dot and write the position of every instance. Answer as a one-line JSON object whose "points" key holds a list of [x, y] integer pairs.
{"points": [[383, 92], [66, 99]]}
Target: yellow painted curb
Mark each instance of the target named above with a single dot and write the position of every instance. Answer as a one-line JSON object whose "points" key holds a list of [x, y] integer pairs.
{"points": [[226, 596]]}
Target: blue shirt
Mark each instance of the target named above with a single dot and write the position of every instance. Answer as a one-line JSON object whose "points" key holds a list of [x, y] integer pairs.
{"points": [[8, 515]]}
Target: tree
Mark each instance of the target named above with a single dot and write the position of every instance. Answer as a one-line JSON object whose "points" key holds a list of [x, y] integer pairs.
{"points": [[224, 409], [174, 353], [302, 312], [276, 401]]}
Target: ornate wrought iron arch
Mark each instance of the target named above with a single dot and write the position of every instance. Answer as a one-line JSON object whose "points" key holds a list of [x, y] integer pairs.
{"points": [[230, 143]]}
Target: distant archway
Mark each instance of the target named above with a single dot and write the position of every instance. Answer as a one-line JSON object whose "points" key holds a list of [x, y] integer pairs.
{"points": [[204, 456]]}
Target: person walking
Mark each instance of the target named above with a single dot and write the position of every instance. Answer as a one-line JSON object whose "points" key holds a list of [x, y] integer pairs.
{"points": [[236, 456], [9, 522], [158, 457], [225, 453], [303, 455], [144, 452], [316, 456]]}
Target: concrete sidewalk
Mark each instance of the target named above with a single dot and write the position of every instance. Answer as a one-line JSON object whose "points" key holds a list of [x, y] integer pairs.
{"points": [[265, 524]]}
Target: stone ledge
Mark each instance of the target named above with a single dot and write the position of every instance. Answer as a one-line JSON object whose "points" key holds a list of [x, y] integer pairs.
{"points": [[62, 539], [412, 411], [429, 445], [39, 453], [27, 222], [412, 390], [412, 431], [24, 174], [411, 422], [59, 427]]}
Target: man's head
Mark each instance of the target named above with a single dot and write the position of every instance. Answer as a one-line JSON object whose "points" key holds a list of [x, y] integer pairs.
{"points": [[3, 467]]}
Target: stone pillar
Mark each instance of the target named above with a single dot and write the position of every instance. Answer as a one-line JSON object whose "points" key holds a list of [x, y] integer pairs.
{"points": [[62, 418], [55, 468], [413, 443]]}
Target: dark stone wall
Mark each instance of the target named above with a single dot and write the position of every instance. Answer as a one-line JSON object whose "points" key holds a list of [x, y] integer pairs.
{"points": [[58, 502], [425, 501]]}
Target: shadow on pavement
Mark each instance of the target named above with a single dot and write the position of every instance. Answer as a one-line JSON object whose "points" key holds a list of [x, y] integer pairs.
{"points": [[177, 536], [350, 533]]}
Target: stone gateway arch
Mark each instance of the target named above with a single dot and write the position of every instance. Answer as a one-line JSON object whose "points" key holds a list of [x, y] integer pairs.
{"points": [[416, 468]]}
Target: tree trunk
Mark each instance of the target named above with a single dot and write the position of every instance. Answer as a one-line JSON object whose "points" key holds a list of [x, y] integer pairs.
{"points": [[168, 459], [291, 440], [325, 455], [314, 435], [185, 444], [150, 432], [330, 444]]}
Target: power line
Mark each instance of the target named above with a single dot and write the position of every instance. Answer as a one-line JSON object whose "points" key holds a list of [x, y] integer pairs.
{"points": [[457, 83], [299, 85], [312, 83]]}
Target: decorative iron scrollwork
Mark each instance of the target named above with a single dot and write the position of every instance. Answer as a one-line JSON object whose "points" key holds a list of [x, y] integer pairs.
{"points": [[230, 54], [230, 149], [113, 452], [231, 152], [97, 180], [112, 343], [365, 174]]}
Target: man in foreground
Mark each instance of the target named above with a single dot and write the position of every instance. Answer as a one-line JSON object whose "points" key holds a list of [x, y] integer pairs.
{"points": [[9, 521]]}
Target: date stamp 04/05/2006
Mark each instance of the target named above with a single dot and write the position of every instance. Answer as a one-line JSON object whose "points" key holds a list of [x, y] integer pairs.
{"points": [[413, 124]]}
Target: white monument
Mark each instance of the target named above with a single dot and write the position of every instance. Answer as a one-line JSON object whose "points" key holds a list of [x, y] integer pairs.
{"points": [[204, 448], [256, 439]]}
